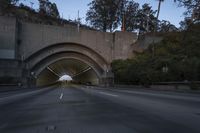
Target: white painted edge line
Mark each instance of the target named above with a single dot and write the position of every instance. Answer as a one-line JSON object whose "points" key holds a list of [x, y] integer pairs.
{"points": [[12, 98], [61, 96], [3, 126], [161, 95], [108, 94]]}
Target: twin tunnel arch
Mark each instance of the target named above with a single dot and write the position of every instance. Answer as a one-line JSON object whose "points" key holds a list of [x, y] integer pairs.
{"points": [[83, 64]]}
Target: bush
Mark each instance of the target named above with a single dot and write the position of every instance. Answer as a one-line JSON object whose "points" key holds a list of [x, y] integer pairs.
{"points": [[176, 58]]}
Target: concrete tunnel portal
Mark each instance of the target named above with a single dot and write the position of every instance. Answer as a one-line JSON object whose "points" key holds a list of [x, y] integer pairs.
{"points": [[34, 48], [79, 71], [83, 64]]}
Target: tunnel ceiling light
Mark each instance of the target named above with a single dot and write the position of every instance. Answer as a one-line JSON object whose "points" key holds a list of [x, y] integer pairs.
{"points": [[83, 71], [48, 68], [65, 78]]}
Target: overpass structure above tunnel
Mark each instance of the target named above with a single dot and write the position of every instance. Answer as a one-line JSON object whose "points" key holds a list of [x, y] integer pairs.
{"points": [[39, 47]]}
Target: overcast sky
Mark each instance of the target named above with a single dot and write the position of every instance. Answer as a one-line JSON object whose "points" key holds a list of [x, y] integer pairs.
{"points": [[69, 9]]}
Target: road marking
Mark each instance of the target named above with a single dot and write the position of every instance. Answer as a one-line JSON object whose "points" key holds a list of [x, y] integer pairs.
{"points": [[61, 95], [51, 128], [3, 126], [108, 94]]}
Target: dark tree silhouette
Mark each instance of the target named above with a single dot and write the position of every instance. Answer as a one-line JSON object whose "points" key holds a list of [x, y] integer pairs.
{"points": [[105, 14], [47, 8]]}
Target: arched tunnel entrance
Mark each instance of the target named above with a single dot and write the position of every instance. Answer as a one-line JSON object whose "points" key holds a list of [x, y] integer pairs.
{"points": [[80, 72], [83, 64]]}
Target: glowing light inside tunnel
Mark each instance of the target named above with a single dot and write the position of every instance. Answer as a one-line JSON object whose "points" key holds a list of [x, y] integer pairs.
{"points": [[65, 78]]}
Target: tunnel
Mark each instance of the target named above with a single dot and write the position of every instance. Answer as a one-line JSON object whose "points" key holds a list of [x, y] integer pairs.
{"points": [[80, 72], [83, 64]]}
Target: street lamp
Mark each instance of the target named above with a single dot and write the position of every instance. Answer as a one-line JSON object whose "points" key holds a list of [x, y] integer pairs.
{"points": [[165, 69]]}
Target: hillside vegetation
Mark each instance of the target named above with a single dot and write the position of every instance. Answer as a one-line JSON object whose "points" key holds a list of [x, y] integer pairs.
{"points": [[175, 58]]}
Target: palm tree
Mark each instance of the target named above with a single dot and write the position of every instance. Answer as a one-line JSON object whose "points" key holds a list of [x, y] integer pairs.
{"points": [[156, 24], [159, 5]]}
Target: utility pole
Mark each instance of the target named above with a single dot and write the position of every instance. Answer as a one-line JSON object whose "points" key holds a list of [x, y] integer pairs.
{"points": [[148, 15], [78, 22], [62, 19], [123, 22]]}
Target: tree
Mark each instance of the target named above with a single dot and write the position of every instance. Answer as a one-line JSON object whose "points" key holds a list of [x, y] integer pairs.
{"points": [[159, 6], [145, 19], [104, 14], [47, 8], [158, 12], [54, 11], [182, 64], [129, 16], [166, 26], [193, 8], [139, 19], [5, 4], [185, 24]]}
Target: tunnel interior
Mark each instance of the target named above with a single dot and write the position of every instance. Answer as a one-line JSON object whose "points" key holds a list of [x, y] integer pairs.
{"points": [[80, 72]]}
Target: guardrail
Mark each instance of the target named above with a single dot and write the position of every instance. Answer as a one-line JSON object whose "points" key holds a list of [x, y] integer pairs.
{"points": [[184, 86], [182, 82]]}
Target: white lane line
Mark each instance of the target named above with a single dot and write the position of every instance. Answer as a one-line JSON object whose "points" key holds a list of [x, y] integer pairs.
{"points": [[3, 126], [108, 94], [61, 95], [161, 95]]}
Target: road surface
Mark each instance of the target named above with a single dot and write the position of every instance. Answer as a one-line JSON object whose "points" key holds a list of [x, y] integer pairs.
{"points": [[82, 109]]}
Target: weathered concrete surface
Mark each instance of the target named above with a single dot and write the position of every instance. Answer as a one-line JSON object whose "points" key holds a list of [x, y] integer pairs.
{"points": [[33, 44], [10, 71], [8, 35], [144, 41], [35, 37]]}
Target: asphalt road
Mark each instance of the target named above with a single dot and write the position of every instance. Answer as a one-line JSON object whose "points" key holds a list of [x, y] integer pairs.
{"points": [[82, 109]]}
